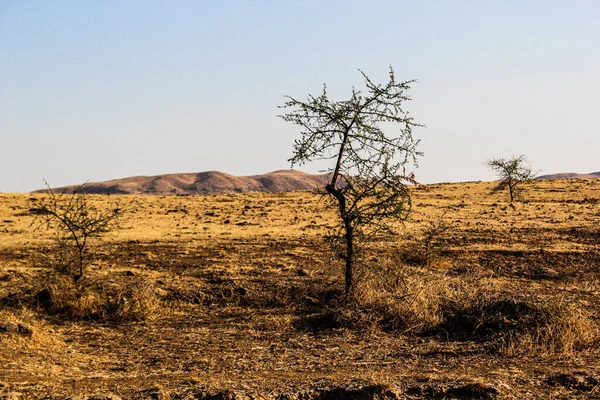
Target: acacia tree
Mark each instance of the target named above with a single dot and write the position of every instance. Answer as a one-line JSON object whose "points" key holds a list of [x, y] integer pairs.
{"points": [[368, 179], [74, 222], [513, 174]]}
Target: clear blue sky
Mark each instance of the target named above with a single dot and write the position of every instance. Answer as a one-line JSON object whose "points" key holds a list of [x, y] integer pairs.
{"points": [[96, 90]]}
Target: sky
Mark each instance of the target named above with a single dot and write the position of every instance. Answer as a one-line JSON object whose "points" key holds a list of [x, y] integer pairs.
{"points": [[98, 90]]}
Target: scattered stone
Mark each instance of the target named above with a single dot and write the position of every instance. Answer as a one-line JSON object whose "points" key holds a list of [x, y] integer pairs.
{"points": [[573, 381], [25, 330], [547, 273], [104, 396], [16, 329], [156, 393], [473, 391], [8, 328]]}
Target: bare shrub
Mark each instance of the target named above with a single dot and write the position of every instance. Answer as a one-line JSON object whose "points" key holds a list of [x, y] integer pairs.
{"points": [[74, 223], [432, 233]]}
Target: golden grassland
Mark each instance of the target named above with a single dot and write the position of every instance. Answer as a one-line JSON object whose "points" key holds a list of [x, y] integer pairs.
{"points": [[237, 294]]}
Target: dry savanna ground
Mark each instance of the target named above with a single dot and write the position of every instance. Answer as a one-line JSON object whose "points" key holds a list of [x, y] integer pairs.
{"points": [[236, 296]]}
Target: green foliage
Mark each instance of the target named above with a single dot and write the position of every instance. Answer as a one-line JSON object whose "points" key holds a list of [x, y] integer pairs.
{"points": [[513, 173], [368, 178]]}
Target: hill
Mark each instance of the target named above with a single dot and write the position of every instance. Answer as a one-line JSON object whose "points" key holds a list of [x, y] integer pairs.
{"points": [[210, 182], [570, 175]]}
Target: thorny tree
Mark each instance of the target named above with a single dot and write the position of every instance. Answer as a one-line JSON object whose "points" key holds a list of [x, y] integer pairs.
{"points": [[74, 222], [513, 174], [368, 178]]}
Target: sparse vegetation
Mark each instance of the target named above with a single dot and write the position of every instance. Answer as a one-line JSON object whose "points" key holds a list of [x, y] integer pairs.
{"points": [[74, 223], [463, 308], [250, 307], [513, 173], [368, 177], [432, 233], [99, 299]]}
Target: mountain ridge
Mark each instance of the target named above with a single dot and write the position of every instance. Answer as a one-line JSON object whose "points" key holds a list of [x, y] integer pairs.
{"points": [[205, 183], [570, 175]]}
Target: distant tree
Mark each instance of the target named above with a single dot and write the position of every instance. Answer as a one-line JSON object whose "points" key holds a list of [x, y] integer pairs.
{"points": [[74, 222], [513, 174], [368, 179]]}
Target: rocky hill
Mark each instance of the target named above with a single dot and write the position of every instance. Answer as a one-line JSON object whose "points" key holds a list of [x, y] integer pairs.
{"points": [[210, 182], [570, 175]]}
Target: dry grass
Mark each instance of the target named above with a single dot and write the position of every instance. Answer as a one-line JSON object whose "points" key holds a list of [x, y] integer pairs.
{"points": [[99, 299], [412, 301], [43, 353], [399, 299], [237, 294], [562, 329]]}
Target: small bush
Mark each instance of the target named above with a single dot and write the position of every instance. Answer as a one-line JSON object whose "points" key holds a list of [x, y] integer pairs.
{"points": [[563, 329], [400, 299], [100, 300], [61, 295], [414, 301], [521, 326], [433, 232], [135, 301], [75, 222]]}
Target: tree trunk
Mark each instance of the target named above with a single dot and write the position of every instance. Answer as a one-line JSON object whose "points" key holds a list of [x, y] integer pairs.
{"points": [[349, 257], [348, 235], [80, 265]]}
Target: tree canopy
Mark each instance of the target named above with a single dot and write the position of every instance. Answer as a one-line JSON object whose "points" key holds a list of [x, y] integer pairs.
{"points": [[513, 173], [368, 176]]}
